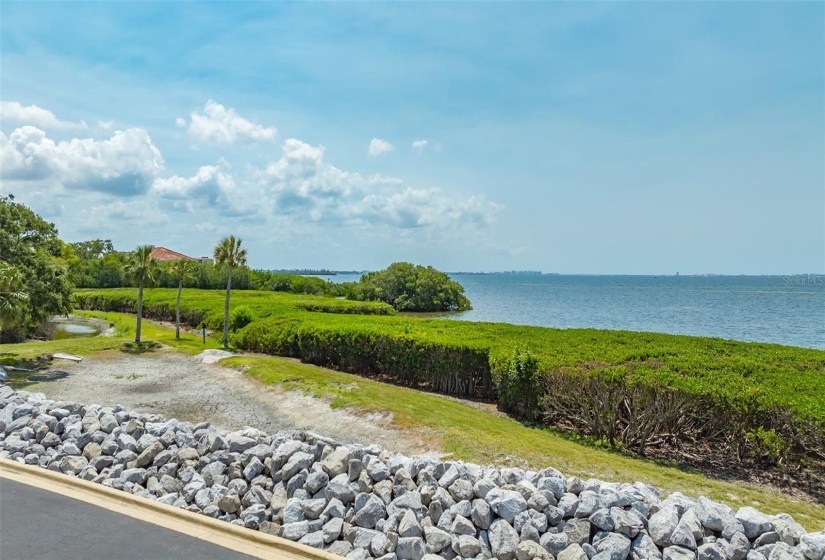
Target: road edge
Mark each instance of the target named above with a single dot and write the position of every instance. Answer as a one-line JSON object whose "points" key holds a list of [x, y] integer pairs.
{"points": [[221, 533]]}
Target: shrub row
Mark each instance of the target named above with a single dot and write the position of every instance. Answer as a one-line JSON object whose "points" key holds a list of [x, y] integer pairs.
{"points": [[643, 391], [410, 360], [643, 414], [354, 308]]}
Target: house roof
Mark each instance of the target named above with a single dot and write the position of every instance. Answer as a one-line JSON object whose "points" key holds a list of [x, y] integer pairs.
{"points": [[164, 254]]}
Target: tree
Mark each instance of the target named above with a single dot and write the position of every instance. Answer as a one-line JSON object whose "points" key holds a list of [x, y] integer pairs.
{"points": [[92, 249], [30, 245], [143, 269], [95, 264], [180, 270], [12, 297], [409, 287], [229, 254]]}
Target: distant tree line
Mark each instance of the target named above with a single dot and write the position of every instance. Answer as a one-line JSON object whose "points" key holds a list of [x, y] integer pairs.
{"points": [[407, 287], [90, 269]]}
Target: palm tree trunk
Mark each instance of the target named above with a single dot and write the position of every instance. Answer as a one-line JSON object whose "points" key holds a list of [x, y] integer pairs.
{"points": [[177, 311], [139, 310], [226, 310]]}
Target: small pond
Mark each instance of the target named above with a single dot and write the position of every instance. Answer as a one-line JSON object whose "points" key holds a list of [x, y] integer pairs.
{"points": [[74, 330]]}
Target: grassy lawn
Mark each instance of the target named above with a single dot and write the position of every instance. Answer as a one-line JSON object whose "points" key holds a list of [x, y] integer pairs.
{"points": [[124, 327], [470, 433]]}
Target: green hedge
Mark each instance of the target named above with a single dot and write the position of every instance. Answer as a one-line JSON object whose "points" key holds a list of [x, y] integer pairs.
{"points": [[640, 390], [410, 360], [199, 306]]}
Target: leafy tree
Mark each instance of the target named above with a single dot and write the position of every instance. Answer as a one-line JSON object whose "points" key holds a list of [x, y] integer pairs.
{"points": [[95, 264], [180, 270], [12, 297], [229, 255], [30, 245], [143, 269], [92, 249], [409, 287]]}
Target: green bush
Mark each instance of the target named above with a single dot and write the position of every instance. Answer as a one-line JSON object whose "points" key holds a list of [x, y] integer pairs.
{"points": [[448, 368], [409, 287], [240, 317], [767, 444], [518, 384]]}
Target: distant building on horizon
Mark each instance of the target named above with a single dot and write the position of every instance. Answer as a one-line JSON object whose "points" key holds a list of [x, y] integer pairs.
{"points": [[163, 254]]}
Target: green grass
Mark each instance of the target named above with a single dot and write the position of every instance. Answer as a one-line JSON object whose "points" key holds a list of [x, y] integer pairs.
{"points": [[476, 435], [210, 302], [124, 325]]}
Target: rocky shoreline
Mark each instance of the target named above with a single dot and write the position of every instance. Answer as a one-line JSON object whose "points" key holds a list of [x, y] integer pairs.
{"points": [[361, 502]]}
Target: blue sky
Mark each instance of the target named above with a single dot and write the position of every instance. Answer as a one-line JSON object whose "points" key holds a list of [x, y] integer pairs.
{"points": [[564, 137]]}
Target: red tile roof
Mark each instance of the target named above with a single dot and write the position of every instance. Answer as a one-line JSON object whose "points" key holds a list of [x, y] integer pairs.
{"points": [[163, 254]]}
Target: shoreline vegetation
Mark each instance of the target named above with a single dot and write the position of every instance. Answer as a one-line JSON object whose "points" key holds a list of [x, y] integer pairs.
{"points": [[747, 410], [470, 431]]}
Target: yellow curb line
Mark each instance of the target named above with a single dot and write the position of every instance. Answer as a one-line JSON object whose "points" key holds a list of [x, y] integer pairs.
{"points": [[221, 533]]}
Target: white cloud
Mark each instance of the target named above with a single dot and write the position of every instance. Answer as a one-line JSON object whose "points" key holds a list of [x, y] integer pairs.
{"points": [[116, 183], [419, 145], [210, 187], [379, 147], [34, 115], [224, 126], [123, 165], [301, 184]]}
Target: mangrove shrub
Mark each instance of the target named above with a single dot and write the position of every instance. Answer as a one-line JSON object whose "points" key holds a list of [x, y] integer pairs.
{"points": [[409, 287]]}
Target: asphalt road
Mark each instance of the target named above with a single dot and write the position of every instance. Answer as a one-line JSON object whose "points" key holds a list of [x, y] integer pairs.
{"points": [[38, 524]]}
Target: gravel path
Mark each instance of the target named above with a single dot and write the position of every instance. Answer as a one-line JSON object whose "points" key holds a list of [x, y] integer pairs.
{"points": [[182, 387]]}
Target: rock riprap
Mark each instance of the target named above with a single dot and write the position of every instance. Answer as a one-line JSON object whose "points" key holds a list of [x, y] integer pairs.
{"points": [[361, 502]]}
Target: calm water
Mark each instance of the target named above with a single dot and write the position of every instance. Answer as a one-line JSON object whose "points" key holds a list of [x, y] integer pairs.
{"points": [[74, 330], [783, 309]]}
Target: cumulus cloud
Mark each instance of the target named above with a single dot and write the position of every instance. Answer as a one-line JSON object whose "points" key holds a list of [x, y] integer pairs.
{"points": [[123, 165], [379, 147], [220, 125], [34, 115], [210, 187], [419, 145], [302, 184]]}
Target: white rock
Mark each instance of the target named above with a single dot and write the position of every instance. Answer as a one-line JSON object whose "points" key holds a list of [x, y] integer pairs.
{"points": [[754, 522], [508, 504], [812, 545], [662, 524], [503, 539], [572, 552]]}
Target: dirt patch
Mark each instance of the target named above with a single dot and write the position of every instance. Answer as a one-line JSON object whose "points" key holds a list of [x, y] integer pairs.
{"points": [[182, 387]]}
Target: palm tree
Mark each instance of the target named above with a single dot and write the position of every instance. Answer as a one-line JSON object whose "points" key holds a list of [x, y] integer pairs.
{"points": [[12, 296], [180, 270], [228, 253], [143, 268]]}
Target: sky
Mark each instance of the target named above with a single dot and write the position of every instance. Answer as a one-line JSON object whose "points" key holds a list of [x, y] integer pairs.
{"points": [[569, 137]]}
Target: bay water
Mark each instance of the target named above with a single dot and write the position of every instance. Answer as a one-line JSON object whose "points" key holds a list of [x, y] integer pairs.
{"points": [[782, 309]]}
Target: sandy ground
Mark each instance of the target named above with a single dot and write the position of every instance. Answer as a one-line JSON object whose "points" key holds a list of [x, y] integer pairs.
{"points": [[183, 387]]}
